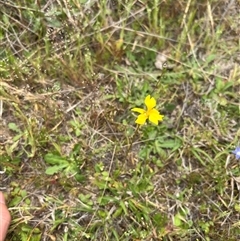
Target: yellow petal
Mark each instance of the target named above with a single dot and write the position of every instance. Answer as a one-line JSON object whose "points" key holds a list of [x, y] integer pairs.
{"points": [[141, 119], [139, 110], [159, 117], [153, 111], [150, 102], [154, 118]]}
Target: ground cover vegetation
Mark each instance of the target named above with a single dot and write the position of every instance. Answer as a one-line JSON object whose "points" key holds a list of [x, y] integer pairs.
{"points": [[73, 77]]}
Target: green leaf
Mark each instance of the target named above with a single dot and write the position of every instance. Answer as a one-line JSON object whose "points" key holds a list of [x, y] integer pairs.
{"points": [[15, 201], [14, 127], [102, 214], [28, 233], [123, 207], [237, 207], [80, 178], [55, 169], [17, 137], [5, 19], [117, 213], [171, 144], [177, 221], [55, 159]]}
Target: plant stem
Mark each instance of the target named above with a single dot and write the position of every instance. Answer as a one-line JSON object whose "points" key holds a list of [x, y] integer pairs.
{"points": [[131, 143]]}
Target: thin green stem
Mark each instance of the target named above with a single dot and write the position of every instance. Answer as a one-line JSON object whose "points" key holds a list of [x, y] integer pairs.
{"points": [[131, 143]]}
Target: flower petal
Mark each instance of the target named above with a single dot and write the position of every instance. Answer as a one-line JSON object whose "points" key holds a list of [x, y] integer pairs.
{"points": [[141, 119], [153, 111], [155, 117], [237, 152], [150, 102], [139, 110]]}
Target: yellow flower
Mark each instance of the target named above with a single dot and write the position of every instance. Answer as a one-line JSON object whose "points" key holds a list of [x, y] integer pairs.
{"points": [[151, 113]]}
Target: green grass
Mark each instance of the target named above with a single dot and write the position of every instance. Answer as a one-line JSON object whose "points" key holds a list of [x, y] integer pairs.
{"points": [[77, 167]]}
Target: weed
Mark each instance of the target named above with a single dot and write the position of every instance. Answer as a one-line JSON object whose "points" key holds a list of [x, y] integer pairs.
{"points": [[76, 167]]}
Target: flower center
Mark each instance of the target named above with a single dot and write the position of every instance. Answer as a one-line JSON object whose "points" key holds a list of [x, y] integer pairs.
{"points": [[148, 112]]}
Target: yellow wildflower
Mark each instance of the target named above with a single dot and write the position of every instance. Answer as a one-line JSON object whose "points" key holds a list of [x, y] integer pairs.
{"points": [[151, 113]]}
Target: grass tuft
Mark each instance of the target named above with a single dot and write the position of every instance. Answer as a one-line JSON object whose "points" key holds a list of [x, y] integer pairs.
{"points": [[75, 165]]}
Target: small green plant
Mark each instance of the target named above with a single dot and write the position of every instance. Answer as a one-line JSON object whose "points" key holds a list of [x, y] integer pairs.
{"points": [[150, 113], [70, 165], [70, 74], [27, 233]]}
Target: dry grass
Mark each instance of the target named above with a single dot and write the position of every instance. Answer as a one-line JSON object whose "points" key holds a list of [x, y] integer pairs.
{"points": [[75, 166]]}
